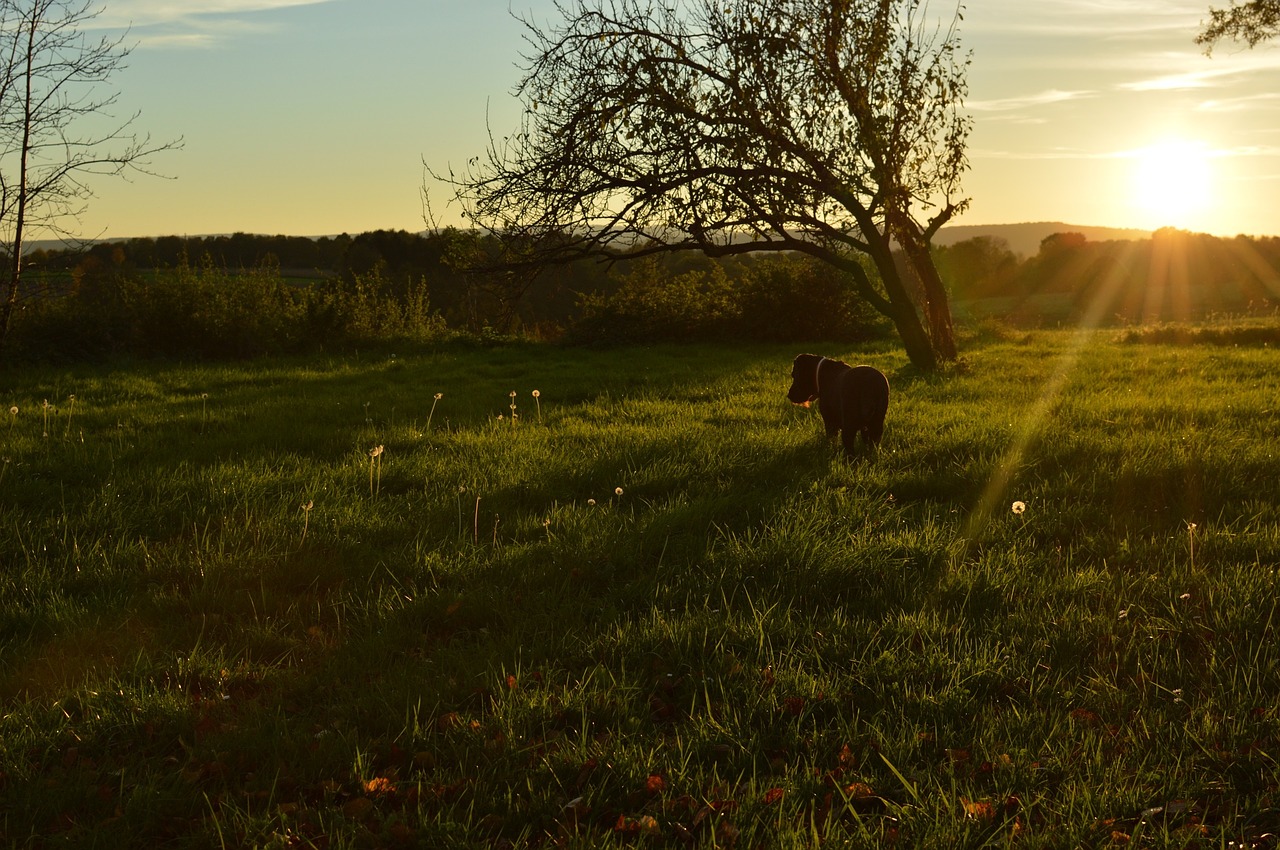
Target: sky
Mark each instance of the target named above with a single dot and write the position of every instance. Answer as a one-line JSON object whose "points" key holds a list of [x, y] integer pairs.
{"points": [[314, 117]]}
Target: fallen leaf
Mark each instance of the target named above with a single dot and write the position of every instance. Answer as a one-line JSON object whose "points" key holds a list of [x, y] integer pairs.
{"points": [[983, 810], [1084, 715], [357, 809], [380, 785], [858, 791]]}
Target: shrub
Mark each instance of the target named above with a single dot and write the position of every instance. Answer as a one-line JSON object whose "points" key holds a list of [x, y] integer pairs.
{"points": [[774, 299], [212, 313], [793, 299], [653, 304]]}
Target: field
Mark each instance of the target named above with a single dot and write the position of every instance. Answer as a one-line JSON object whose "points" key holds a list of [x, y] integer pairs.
{"points": [[351, 602]]}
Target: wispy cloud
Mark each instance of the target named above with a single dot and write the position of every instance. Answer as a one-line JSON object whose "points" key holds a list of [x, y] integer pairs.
{"points": [[1169, 72], [1195, 149], [190, 23], [147, 12], [1044, 98], [1107, 19], [1241, 104]]}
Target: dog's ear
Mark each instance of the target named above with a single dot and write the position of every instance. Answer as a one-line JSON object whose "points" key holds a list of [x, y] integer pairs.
{"points": [[801, 358]]}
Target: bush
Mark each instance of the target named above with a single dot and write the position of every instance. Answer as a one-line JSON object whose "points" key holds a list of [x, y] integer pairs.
{"points": [[212, 313], [653, 304], [775, 299], [796, 299]]}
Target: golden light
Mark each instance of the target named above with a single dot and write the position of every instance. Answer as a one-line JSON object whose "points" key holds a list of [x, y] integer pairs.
{"points": [[1173, 184]]}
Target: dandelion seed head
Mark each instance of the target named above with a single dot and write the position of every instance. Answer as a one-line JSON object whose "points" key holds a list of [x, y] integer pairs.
{"points": [[512, 393], [591, 502], [536, 394], [375, 451], [439, 396], [1019, 507], [617, 491], [13, 411]]}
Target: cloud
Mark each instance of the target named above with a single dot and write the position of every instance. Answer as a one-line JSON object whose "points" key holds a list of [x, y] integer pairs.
{"points": [[1063, 153], [1104, 19], [190, 23], [1210, 74], [1241, 104], [1044, 98], [148, 12]]}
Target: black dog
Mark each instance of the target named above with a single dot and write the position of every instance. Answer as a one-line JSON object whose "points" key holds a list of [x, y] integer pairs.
{"points": [[852, 399]]}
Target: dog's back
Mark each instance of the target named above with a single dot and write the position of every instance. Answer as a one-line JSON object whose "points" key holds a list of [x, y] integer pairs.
{"points": [[864, 393], [853, 400]]}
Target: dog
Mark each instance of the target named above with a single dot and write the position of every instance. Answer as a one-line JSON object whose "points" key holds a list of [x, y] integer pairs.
{"points": [[852, 399]]}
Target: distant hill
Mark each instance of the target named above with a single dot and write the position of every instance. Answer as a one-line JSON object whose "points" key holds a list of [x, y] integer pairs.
{"points": [[1024, 239]]}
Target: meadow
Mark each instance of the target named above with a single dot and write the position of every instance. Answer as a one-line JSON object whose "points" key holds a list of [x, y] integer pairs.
{"points": [[401, 600]]}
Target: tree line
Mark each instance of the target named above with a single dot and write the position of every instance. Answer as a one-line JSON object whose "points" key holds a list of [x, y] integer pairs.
{"points": [[1173, 276], [245, 295]]}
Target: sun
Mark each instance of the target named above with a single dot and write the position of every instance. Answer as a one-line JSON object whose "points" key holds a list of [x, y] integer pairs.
{"points": [[1173, 183]]}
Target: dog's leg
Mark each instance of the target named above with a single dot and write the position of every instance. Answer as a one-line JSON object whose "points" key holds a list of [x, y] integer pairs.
{"points": [[830, 417], [872, 433]]}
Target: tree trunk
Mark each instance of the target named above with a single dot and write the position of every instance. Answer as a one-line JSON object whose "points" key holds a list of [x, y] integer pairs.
{"points": [[20, 208], [901, 310], [937, 306], [915, 341]]}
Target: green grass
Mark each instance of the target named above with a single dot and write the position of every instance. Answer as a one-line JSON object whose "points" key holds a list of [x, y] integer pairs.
{"points": [[473, 640]]}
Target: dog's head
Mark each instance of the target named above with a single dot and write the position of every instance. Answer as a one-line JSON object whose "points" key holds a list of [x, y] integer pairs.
{"points": [[804, 379]]}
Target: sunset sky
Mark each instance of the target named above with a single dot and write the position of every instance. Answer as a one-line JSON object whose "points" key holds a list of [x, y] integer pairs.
{"points": [[313, 117]]}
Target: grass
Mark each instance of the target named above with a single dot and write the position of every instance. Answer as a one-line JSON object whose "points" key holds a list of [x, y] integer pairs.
{"points": [[654, 611]]}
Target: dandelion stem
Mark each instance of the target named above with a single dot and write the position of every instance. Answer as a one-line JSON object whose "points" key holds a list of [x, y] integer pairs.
{"points": [[306, 516], [71, 410], [375, 462]]}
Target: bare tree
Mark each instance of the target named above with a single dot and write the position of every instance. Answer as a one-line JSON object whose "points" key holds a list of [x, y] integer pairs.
{"points": [[58, 129], [828, 127], [1253, 23]]}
